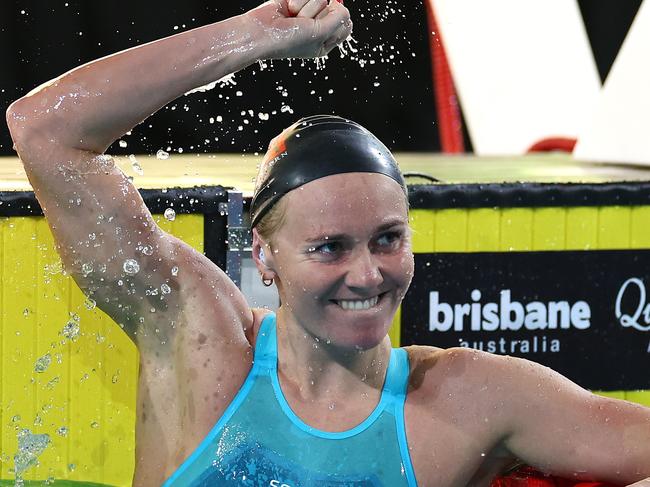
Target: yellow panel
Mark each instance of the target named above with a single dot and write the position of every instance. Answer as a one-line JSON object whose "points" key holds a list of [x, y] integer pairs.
{"points": [[52, 394], [614, 227], [639, 397], [639, 227], [4, 418], [120, 384], [483, 230], [582, 228], [189, 228], [516, 229], [612, 394], [450, 231], [18, 335], [549, 229], [86, 392], [163, 223], [422, 223], [395, 332]]}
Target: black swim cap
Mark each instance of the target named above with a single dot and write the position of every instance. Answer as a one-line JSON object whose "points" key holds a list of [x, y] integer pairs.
{"points": [[313, 148]]}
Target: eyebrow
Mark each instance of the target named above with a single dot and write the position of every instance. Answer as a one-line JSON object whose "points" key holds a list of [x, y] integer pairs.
{"points": [[341, 236]]}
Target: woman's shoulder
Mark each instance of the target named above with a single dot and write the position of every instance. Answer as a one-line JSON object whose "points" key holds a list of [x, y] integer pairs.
{"points": [[457, 368]]}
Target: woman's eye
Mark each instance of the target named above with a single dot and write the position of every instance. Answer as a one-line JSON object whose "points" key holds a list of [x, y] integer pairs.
{"points": [[389, 240], [328, 248]]}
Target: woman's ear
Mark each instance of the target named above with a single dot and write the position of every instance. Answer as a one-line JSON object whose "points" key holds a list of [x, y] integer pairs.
{"points": [[262, 256]]}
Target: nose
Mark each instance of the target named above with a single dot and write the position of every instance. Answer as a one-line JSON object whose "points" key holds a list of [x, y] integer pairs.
{"points": [[363, 271]]}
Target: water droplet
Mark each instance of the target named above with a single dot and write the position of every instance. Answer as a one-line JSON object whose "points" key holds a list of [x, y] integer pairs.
{"points": [[135, 165], [94, 425], [131, 267], [123, 143], [30, 447], [165, 289], [174, 271], [71, 330], [147, 250], [170, 214], [62, 431], [331, 406], [71, 467], [90, 303], [43, 363], [162, 155], [86, 269], [16, 418]]}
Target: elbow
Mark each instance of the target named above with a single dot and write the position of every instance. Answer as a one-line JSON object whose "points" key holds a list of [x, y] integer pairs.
{"points": [[16, 119], [21, 124]]}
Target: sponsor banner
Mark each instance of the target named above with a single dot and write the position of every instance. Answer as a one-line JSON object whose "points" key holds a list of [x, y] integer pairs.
{"points": [[586, 314]]}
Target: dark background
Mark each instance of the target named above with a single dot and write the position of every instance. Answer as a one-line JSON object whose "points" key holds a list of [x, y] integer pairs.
{"points": [[40, 39]]}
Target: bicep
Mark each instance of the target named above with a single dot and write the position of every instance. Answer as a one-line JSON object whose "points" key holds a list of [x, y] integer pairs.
{"points": [[557, 426], [144, 278]]}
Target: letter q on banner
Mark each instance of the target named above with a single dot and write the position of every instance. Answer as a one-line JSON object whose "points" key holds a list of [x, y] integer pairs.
{"points": [[642, 308]]}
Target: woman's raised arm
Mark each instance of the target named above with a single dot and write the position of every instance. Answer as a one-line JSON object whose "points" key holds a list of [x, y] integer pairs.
{"points": [[98, 219]]}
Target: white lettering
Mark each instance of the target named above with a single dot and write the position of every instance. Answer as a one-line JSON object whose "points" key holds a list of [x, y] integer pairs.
{"points": [[435, 308], [507, 308], [509, 314], [581, 315], [535, 316], [642, 308], [538, 344], [491, 317], [561, 308]]}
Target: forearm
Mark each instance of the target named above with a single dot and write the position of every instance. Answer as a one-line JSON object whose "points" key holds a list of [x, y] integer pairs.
{"points": [[94, 104]]}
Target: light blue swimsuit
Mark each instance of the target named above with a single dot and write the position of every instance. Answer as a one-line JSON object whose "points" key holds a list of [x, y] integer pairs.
{"points": [[259, 440]]}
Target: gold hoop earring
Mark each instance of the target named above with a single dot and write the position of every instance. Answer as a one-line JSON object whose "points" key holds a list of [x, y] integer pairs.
{"points": [[267, 282]]}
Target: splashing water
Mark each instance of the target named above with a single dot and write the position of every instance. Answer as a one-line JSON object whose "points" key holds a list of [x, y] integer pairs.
{"points": [[42, 363], [136, 165], [131, 267], [30, 447], [71, 330], [348, 46]]}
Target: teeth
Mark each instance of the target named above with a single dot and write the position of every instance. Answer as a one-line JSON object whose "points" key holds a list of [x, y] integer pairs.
{"points": [[354, 305]]}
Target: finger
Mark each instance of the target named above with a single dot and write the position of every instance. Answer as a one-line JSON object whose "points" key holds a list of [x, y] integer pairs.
{"points": [[332, 18], [295, 6], [313, 8]]}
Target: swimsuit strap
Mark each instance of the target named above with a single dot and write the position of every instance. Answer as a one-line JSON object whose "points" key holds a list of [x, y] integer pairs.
{"points": [[397, 376], [266, 348]]}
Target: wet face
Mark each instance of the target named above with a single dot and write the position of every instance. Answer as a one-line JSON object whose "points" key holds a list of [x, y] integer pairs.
{"points": [[343, 257]]}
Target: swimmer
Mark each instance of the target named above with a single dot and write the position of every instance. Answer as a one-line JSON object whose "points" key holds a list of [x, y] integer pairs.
{"points": [[312, 394]]}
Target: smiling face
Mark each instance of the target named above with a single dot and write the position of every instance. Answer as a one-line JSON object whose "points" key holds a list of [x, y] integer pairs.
{"points": [[342, 258]]}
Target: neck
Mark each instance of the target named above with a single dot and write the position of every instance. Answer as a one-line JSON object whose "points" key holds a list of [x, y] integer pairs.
{"points": [[321, 370]]}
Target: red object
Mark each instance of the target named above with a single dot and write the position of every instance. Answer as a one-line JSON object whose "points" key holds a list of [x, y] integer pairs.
{"points": [[563, 144], [449, 119], [529, 477]]}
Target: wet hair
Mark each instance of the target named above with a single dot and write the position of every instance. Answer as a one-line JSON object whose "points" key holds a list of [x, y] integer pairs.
{"points": [[313, 148]]}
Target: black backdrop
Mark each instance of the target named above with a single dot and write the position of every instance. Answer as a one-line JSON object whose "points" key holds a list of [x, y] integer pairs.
{"points": [[40, 39]]}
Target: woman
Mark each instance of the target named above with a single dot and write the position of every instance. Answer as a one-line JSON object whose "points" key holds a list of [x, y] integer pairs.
{"points": [[314, 395]]}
